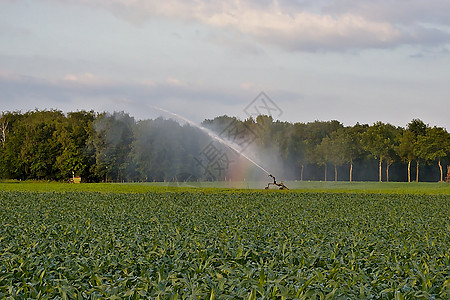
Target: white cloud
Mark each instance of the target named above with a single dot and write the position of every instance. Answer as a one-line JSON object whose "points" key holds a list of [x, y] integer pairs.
{"points": [[176, 82], [253, 87], [84, 78], [304, 30], [320, 25], [399, 11], [9, 76]]}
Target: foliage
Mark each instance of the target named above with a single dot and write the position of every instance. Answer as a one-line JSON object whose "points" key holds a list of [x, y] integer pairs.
{"points": [[45, 144], [73, 135], [162, 147], [51, 145], [111, 140], [380, 140], [273, 245]]}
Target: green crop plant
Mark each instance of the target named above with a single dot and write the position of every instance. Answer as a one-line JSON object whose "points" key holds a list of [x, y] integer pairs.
{"points": [[224, 245]]}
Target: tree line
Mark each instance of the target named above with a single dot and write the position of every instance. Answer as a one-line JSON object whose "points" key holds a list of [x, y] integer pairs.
{"points": [[52, 145]]}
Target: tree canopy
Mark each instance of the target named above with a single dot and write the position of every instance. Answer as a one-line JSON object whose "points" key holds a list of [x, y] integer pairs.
{"points": [[52, 145]]}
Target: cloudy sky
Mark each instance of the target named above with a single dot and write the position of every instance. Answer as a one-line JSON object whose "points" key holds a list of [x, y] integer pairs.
{"points": [[347, 60]]}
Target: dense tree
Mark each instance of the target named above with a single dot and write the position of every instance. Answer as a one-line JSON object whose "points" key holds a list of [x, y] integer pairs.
{"points": [[296, 147], [73, 137], [37, 136], [163, 148], [392, 144], [9, 166], [379, 140], [316, 152], [112, 140], [434, 146], [405, 149], [4, 122], [418, 128], [353, 149], [344, 147], [322, 153], [52, 145]]}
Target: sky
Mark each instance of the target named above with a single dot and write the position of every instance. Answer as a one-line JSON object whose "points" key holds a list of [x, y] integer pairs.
{"points": [[300, 60]]}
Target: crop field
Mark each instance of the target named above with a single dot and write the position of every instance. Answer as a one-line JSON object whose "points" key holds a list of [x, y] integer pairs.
{"points": [[429, 188], [224, 245]]}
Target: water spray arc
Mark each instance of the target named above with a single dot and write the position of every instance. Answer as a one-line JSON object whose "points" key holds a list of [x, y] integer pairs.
{"points": [[214, 136]]}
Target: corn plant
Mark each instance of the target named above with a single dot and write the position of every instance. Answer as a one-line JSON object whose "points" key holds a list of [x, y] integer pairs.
{"points": [[234, 245]]}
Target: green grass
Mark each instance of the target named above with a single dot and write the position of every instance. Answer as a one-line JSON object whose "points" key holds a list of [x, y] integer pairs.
{"points": [[375, 187], [306, 186], [222, 245]]}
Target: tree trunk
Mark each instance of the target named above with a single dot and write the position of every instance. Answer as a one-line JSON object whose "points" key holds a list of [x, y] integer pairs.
{"points": [[417, 171], [335, 173], [301, 173], [4, 128], [351, 170], [387, 171], [447, 179], [325, 172], [379, 169], [409, 171], [440, 169]]}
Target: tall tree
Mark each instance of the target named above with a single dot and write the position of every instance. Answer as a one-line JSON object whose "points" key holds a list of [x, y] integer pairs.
{"points": [[51, 145], [353, 146], [405, 149], [322, 155], [112, 143], [3, 129], [379, 140], [8, 151], [391, 156], [434, 146], [345, 147], [315, 132], [418, 128], [73, 135], [37, 136], [297, 147], [334, 147]]}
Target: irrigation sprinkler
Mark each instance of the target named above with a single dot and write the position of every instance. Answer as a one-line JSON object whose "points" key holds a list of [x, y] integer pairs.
{"points": [[280, 185]]}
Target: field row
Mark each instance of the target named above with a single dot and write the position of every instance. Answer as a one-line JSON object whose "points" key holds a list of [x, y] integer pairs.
{"points": [[417, 188], [224, 245]]}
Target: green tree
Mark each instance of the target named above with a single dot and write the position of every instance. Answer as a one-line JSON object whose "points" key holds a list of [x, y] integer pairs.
{"points": [[3, 129], [73, 136], [8, 151], [34, 145], [344, 147], [163, 149], [316, 152], [219, 124], [406, 149], [353, 149], [391, 153], [297, 147], [111, 141], [434, 146], [332, 150], [418, 129], [379, 140], [322, 155]]}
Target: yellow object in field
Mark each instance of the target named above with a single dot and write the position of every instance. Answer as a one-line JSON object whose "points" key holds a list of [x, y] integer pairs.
{"points": [[77, 179]]}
